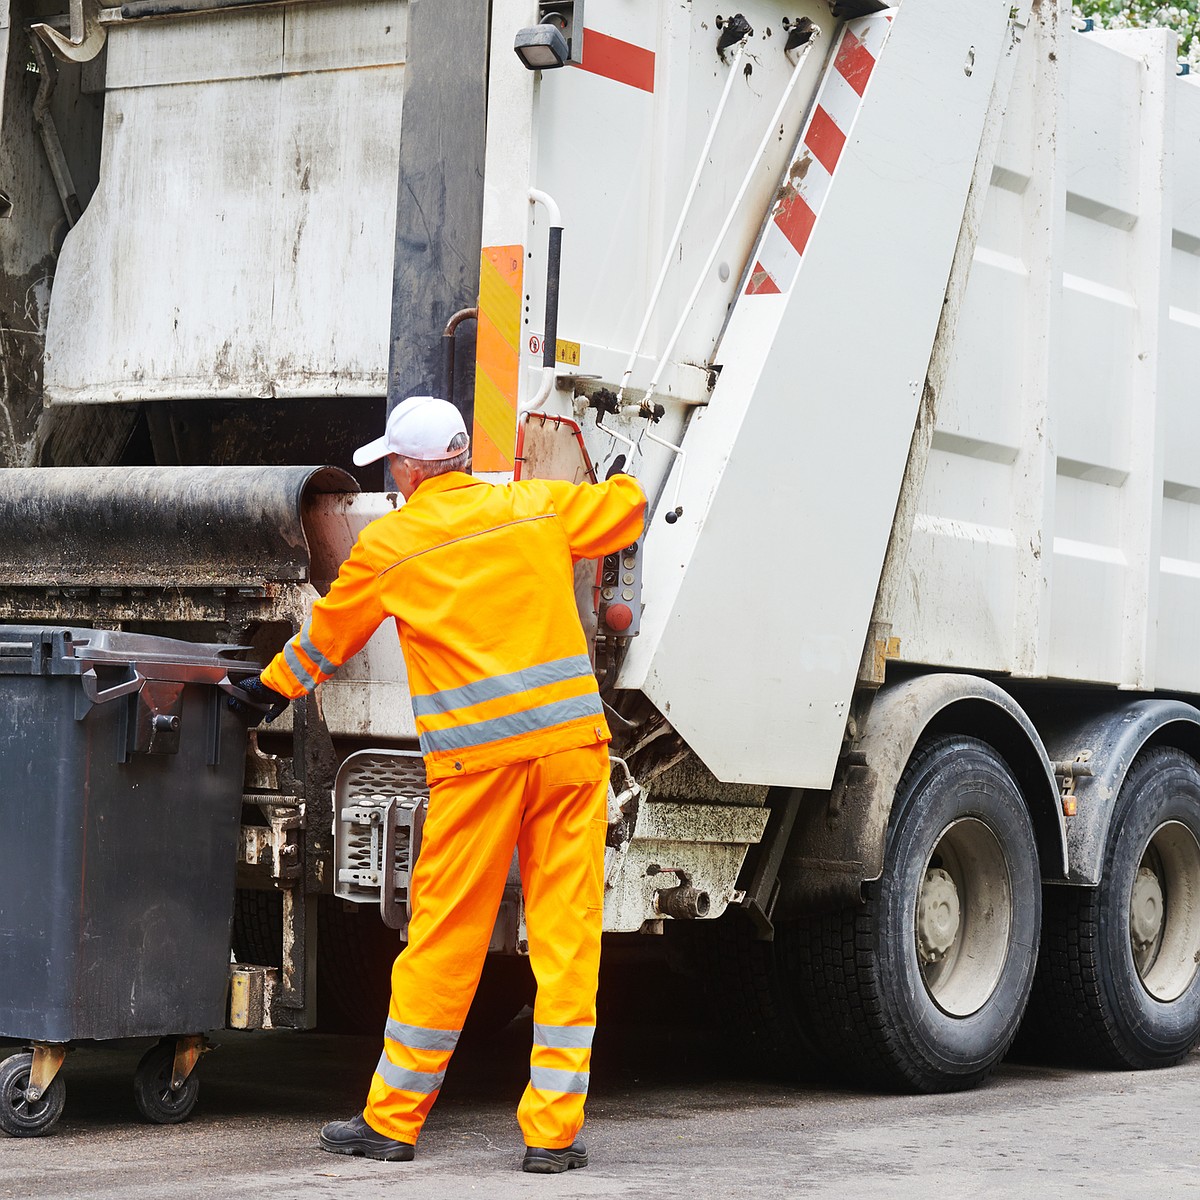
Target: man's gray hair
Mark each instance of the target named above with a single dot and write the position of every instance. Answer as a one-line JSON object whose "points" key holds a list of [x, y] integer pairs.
{"points": [[460, 462]]}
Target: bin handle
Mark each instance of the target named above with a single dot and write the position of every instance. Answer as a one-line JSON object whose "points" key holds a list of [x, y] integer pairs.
{"points": [[91, 688], [227, 685]]}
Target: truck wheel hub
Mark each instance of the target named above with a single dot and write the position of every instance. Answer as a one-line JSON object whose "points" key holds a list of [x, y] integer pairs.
{"points": [[1145, 909], [938, 915]]}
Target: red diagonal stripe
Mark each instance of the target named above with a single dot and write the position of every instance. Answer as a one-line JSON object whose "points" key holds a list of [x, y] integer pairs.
{"points": [[761, 283], [795, 219], [824, 139], [618, 60], [854, 62]]}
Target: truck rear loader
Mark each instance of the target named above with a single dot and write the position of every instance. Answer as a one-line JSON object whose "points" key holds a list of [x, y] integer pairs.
{"points": [[894, 310]]}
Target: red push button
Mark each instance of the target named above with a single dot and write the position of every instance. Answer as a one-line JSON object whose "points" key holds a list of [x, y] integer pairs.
{"points": [[618, 617]]}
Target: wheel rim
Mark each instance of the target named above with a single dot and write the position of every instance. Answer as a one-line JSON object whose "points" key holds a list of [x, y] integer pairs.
{"points": [[27, 1112], [169, 1100], [1164, 912], [963, 918]]}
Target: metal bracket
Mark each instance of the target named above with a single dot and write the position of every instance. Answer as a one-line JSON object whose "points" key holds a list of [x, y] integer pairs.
{"points": [[277, 846], [87, 34], [402, 824], [187, 1054], [762, 888], [287, 826], [1067, 772], [47, 1060], [158, 713], [251, 996]]}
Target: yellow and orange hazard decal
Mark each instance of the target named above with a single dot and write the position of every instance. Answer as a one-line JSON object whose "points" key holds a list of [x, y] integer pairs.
{"points": [[497, 358]]}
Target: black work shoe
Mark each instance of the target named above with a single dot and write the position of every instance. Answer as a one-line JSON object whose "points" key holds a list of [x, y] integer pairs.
{"points": [[355, 1136], [540, 1161]]}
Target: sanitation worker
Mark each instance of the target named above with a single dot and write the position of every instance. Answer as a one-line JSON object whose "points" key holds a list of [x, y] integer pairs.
{"points": [[479, 580]]}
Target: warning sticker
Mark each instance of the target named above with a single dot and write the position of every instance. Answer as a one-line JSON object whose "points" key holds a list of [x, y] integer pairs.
{"points": [[567, 352]]}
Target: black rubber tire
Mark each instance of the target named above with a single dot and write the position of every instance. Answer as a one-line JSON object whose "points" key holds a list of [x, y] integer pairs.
{"points": [[861, 992], [505, 988], [258, 927], [1089, 1005], [19, 1117], [729, 971], [355, 953], [156, 1100]]}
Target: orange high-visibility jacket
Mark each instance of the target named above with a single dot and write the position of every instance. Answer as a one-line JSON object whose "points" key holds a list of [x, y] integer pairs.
{"points": [[479, 579]]}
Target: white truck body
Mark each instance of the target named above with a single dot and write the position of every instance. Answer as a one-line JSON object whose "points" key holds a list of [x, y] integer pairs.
{"points": [[895, 320], [1051, 529]]}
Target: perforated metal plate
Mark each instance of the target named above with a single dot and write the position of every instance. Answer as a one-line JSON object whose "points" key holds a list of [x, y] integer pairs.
{"points": [[379, 801]]}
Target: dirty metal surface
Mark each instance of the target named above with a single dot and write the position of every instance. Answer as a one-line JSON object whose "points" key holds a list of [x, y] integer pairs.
{"points": [[269, 140], [190, 527]]}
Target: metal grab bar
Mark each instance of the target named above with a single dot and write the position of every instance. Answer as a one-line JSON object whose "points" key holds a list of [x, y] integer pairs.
{"points": [[683, 214], [553, 273], [664, 358]]}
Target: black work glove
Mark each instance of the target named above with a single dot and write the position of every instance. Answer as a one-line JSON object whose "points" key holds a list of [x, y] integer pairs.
{"points": [[265, 702]]}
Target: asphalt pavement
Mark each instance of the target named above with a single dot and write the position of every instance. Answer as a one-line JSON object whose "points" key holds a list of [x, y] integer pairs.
{"points": [[670, 1115]]}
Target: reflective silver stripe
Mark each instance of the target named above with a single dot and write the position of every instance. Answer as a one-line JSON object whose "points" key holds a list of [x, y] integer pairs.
{"points": [[558, 671], [417, 1037], [563, 1037], [421, 1082], [306, 644], [530, 721], [551, 1080], [303, 675]]}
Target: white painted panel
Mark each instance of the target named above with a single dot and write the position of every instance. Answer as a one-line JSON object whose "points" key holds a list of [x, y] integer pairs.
{"points": [[1178, 628], [1185, 277], [981, 396], [1085, 634], [1179, 590], [1181, 400], [1097, 348], [619, 159], [1087, 510], [763, 590], [958, 611], [1101, 138], [1002, 232], [956, 604], [1089, 570], [1015, 154], [1185, 193], [1181, 529], [1098, 252]]}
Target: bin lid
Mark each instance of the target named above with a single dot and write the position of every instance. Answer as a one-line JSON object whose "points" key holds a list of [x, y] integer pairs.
{"points": [[74, 650], [120, 646]]}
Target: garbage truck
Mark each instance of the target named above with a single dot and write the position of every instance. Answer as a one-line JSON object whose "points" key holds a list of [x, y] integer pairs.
{"points": [[894, 309]]}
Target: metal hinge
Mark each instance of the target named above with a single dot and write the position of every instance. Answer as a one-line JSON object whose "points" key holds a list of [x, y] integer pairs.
{"points": [[1067, 772]]}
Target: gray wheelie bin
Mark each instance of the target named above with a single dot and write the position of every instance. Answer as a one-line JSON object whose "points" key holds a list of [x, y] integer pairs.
{"points": [[120, 797]]}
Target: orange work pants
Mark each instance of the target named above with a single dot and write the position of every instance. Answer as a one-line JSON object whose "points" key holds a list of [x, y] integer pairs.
{"points": [[553, 809]]}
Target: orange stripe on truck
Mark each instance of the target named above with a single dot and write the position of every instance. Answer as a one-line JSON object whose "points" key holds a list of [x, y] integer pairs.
{"points": [[497, 357]]}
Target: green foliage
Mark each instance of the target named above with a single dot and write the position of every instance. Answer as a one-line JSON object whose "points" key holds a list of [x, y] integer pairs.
{"points": [[1184, 18]]}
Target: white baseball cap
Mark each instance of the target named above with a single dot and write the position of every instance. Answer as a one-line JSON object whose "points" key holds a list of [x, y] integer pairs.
{"points": [[421, 427]]}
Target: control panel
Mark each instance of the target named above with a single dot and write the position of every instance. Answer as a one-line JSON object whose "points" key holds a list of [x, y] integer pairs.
{"points": [[619, 599]]}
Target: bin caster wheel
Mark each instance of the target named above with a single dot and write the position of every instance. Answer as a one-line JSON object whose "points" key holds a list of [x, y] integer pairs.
{"points": [[20, 1116], [157, 1100]]}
